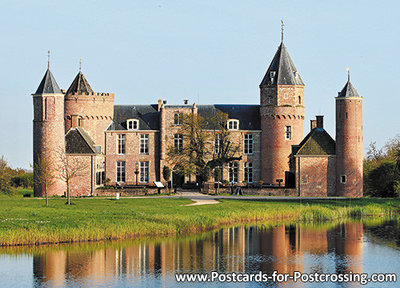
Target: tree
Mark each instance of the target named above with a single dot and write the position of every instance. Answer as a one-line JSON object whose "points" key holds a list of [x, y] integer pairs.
{"points": [[206, 145], [45, 174], [71, 167], [5, 176], [167, 175], [382, 169]]}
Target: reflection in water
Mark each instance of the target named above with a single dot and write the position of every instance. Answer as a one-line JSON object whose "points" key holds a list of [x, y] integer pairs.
{"points": [[240, 249]]}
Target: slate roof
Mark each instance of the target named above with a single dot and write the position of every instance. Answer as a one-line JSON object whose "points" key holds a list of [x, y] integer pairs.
{"points": [[285, 71], [48, 84], [80, 85], [318, 142], [248, 115], [348, 90], [148, 116], [77, 141]]}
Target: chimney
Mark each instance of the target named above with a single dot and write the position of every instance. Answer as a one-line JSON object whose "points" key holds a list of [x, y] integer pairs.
{"points": [[164, 102], [159, 102], [320, 122], [185, 102], [313, 124], [74, 121]]}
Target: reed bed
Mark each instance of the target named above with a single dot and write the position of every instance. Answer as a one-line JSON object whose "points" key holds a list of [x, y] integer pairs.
{"points": [[29, 222]]}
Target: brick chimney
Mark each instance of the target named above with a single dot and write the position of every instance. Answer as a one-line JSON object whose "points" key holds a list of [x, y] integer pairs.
{"points": [[159, 104], [320, 122], [313, 124]]}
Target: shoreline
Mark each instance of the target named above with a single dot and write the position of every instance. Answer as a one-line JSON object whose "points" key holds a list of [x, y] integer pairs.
{"points": [[92, 220]]}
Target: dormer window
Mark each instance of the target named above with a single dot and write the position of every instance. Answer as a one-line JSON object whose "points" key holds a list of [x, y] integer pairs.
{"points": [[272, 74], [132, 124], [233, 124]]}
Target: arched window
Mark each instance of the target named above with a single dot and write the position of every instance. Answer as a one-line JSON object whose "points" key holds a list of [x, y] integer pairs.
{"points": [[233, 124], [299, 99]]}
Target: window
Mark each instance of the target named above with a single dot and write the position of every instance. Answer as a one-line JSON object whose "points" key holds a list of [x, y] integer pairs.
{"points": [[233, 124], [144, 172], [121, 165], [269, 100], [144, 144], [217, 143], [132, 124], [218, 174], [178, 117], [299, 99], [248, 172], [248, 144], [178, 142], [343, 179], [233, 172], [288, 132], [121, 144]]}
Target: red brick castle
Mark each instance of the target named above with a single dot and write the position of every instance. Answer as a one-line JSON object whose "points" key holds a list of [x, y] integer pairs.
{"points": [[128, 143]]}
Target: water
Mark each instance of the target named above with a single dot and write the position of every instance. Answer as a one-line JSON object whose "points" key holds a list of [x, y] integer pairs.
{"points": [[325, 248]]}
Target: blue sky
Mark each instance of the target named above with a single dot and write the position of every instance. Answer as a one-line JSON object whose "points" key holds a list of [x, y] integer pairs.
{"points": [[205, 51]]}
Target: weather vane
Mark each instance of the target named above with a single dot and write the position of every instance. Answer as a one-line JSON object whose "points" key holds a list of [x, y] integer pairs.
{"points": [[48, 59], [282, 28], [348, 73], [80, 64]]}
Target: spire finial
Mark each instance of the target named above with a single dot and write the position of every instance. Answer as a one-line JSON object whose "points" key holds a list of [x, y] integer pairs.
{"points": [[80, 64], [348, 74], [282, 28], [48, 59]]}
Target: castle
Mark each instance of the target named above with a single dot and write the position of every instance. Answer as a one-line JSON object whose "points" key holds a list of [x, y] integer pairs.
{"points": [[128, 143]]}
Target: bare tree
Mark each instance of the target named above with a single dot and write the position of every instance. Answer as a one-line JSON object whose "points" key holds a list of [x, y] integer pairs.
{"points": [[71, 168], [44, 174]]}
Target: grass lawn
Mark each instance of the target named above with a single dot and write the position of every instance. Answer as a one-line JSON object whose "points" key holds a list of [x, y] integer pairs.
{"points": [[28, 221]]}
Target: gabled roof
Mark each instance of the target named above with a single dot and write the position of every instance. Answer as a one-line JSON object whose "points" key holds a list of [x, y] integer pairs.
{"points": [[148, 116], [318, 142], [48, 84], [77, 141], [348, 90], [283, 68], [80, 85]]}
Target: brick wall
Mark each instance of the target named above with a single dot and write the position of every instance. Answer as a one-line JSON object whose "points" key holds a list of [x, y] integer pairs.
{"points": [[132, 155], [315, 175], [349, 146]]}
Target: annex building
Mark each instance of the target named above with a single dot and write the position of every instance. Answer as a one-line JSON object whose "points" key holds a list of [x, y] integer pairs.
{"points": [[128, 143]]}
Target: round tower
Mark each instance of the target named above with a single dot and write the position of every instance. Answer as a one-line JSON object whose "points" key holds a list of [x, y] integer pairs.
{"points": [[48, 134], [349, 142], [89, 110], [282, 116]]}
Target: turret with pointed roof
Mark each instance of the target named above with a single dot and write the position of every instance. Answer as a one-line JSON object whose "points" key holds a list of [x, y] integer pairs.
{"points": [[282, 115], [48, 132], [349, 142], [80, 85]]}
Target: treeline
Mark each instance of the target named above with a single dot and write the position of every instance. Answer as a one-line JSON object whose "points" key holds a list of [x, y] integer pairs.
{"points": [[382, 169], [13, 178]]}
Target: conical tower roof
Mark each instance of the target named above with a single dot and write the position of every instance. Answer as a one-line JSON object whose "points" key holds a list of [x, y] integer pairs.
{"points": [[80, 85], [48, 84], [283, 70], [348, 90]]}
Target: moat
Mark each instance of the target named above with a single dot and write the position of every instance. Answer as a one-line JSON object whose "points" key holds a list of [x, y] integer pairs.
{"points": [[352, 247]]}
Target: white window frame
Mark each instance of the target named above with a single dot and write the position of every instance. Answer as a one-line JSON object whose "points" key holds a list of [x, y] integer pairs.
{"points": [[144, 169], [121, 144], [288, 132], [248, 144], [132, 124], [178, 142], [343, 179], [178, 119], [121, 171], [144, 144], [248, 172], [233, 124], [217, 143], [233, 169]]}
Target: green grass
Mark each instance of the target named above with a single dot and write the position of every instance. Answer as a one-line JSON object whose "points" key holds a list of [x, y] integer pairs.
{"points": [[28, 221]]}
